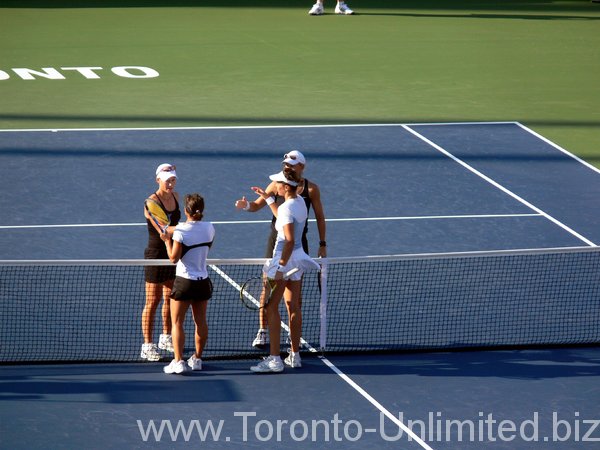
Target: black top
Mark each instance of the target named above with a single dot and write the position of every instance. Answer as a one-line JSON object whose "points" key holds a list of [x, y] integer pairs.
{"points": [[154, 240]]}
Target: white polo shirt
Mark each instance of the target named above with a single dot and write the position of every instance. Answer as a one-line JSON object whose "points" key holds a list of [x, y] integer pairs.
{"points": [[193, 264]]}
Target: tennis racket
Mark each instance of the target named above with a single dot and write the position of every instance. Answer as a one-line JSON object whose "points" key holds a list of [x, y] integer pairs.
{"points": [[157, 214], [256, 292]]}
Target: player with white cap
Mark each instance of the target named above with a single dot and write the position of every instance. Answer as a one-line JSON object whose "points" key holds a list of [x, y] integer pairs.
{"points": [[159, 279], [311, 194]]}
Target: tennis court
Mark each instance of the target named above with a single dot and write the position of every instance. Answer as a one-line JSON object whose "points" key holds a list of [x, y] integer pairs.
{"points": [[455, 140], [403, 189]]}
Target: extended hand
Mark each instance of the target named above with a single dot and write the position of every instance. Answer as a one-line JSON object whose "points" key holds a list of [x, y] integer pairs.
{"points": [[242, 203], [260, 191]]}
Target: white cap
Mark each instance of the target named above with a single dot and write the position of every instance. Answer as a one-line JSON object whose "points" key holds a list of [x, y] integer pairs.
{"points": [[280, 177], [165, 171], [294, 157]]}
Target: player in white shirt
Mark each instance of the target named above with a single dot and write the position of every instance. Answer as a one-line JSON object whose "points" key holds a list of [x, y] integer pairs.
{"points": [[287, 255], [189, 249], [311, 195]]}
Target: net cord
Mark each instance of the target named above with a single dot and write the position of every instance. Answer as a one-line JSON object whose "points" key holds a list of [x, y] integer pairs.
{"points": [[335, 260]]}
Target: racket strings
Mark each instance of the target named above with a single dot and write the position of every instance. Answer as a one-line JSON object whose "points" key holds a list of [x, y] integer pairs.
{"points": [[251, 293]]}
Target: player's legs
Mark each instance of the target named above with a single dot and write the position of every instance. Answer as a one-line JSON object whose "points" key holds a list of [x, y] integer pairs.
{"points": [[293, 305], [153, 297], [262, 318], [201, 336], [166, 311], [271, 240], [261, 336], [274, 319], [178, 310]]}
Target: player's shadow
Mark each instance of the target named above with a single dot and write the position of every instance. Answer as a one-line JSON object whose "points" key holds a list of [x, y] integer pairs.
{"points": [[117, 384]]}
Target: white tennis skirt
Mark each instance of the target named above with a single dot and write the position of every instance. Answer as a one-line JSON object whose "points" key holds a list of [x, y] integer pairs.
{"points": [[299, 259]]}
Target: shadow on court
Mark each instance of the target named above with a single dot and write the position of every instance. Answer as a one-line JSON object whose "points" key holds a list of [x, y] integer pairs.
{"points": [[205, 120], [117, 384], [527, 364]]}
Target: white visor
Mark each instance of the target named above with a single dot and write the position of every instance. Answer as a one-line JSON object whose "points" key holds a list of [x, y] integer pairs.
{"points": [[280, 177]]}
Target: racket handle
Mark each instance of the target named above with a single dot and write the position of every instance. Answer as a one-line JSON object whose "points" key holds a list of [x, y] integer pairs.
{"points": [[162, 228]]}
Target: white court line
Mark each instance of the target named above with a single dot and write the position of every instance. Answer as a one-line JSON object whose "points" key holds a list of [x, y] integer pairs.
{"points": [[246, 222], [248, 127], [232, 127], [558, 147], [341, 374], [457, 216], [375, 403], [499, 186]]}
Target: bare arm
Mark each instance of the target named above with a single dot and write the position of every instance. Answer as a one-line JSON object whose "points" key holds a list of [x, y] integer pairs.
{"points": [[267, 198], [315, 198], [260, 202], [174, 249]]}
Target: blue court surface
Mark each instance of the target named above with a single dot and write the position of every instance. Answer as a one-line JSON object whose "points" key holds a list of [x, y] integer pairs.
{"points": [[386, 189]]}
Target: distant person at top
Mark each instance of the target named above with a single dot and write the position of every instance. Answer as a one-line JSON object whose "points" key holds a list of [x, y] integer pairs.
{"points": [[311, 195], [340, 8], [159, 279]]}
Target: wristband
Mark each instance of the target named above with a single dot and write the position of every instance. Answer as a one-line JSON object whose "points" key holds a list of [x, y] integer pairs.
{"points": [[270, 200], [279, 268], [247, 207], [322, 243]]}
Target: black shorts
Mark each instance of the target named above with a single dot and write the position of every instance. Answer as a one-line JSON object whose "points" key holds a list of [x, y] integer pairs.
{"points": [[158, 274], [191, 290]]}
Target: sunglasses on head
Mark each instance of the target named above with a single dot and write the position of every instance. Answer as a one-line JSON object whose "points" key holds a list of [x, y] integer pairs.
{"points": [[168, 169], [287, 155]]}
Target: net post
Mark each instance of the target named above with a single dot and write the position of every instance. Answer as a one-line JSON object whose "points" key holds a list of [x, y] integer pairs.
{"points": [[323, 305]]}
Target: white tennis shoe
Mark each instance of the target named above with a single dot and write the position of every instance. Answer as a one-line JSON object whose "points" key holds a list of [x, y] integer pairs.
{"points": [[342, 8], [261, 338], [271, 364], [150, 352], [165, 342], [316, 10], [293, 360], [194, 363], [177, 367]]}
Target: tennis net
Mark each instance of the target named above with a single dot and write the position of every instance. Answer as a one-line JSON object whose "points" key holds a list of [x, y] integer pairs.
{"points": [[91, 310]]}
